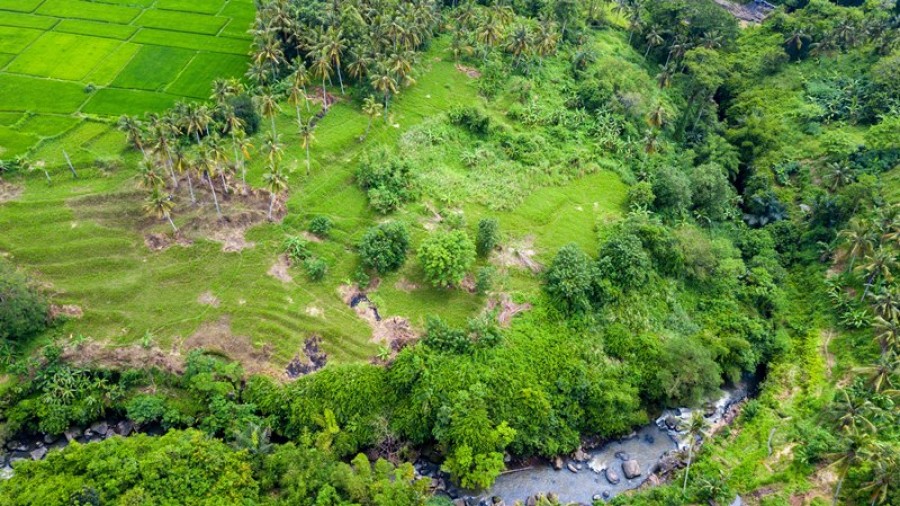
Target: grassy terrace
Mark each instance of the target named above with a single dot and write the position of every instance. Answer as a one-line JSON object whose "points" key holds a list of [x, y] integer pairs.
{"points": [[62, 61]]}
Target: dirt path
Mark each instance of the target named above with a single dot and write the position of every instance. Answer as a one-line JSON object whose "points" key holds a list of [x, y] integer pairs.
{"points": [[827, 336]]}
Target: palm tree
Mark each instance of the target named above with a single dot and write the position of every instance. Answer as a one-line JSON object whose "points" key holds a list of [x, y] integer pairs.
{"points": [[695, 428], [197, 120], [796, 39], [276, 182], [518, 43], [220, 158], [384, 81], [880, 373], [160, 205], [235, 126], [840, 175], [654, 38], [887, 335], [333, 47], [272, 147], [853, 449], [664, 78], [207, 168], [161, 133], [884, 460], [133, 130], [300, 77], [859, 239], [359, 65], [887, 303], [851, 413], [657, 117], [182, 165], [268, 107], [322, 69], [150, 178], [372, 110], [296, 96], [307, 137], [879, 266], [245, 147]]}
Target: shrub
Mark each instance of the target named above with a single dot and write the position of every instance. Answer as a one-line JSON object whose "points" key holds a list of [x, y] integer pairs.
{"points": [[297, 249], [640, 196], [315, 268], [387, 180], [711, 193], [383, 248], [570, 280], [446, 256], [624, 261], [23, 310], [145, 409], [320, 226], [673, 191], [471, 118], [442, 337], [487, 237], [484, 280], [246, 111]]}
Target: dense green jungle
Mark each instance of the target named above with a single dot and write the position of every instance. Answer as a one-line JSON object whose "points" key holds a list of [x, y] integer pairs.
{"points": [[449, 253]]}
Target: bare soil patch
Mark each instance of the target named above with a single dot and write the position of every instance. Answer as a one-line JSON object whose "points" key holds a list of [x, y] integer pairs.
{"points": [[280, 269], [207, 298], [65, 311], [519, 255], [468, 284], [405, 285], [469, 71], [506, 308], [394, 332], [120, 357], [9, 191], [217, 337]]}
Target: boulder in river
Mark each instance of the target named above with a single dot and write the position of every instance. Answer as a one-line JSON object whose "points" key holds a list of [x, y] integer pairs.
{"points": [[39, 453], [49, 439], [597, 465], [72, 434], [612, 476], [100, 428], [581, 456], [571, 467], [631, 469], [557, 463], [623, 456]]}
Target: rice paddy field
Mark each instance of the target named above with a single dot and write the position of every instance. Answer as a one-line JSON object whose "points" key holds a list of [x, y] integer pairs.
{"points": [[68, 66]]}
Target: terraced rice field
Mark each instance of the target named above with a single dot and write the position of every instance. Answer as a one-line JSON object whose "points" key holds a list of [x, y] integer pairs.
{"points": [[63, 62]]}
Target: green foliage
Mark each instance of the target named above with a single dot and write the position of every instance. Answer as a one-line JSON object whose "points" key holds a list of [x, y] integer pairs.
{"points": [[472, 119], [388, 181], [687, 372], [445, 257], [570, 280], [315, 268], [672, 189], [640, 196], [484, 280], [488, 236], [320, 226], [23, 309], [711, 193], [383, 248], [623, 260], [297, 249]]}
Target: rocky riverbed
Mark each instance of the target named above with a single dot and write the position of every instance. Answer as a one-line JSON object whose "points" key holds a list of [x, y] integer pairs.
{"points": [[647, 455]]}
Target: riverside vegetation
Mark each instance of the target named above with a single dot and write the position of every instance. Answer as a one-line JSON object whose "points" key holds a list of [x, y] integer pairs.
{"points": [[470, 232]]}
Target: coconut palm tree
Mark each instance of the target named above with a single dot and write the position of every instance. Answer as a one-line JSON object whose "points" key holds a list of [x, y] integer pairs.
{"points": [[333, 46], [881, 373], [235, 126], [879, 266], [268, 107], [207, 167], [884, 461], [220, 158], [133, 130], [149, 175], [853, 444], [307, 137], [859, 239], [181, 165], [160, 205], [887, 335], [372, 109], [654, 38], [657, 117], [296, 96], [518, 43], [300, 78], [273, 148], [695, 428], [161, 134], [322, 69], [385, 82], [887, 303], [276, 182]]}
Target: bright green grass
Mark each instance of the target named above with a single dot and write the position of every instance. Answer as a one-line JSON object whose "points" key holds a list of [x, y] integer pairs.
{"points": [[153, 67], [5, 58], [201, 6], [81, 9], [45, 125], [13, 40], [114, 101], [73, 142], [14, 142], [181, 21], [107, 71], [196, 79], [20, 5], [19, 19], [9, 118], [81, 54], [191, 41], [21, 93], [98, 29]]}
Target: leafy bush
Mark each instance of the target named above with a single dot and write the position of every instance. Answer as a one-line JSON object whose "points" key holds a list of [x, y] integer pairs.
{"points": [[672, 189], [383, 248], [446, 256], [711, 193], [23, 310], [487, 237], [570, 280], [484, 280], [471, 118], [442, 337], [640, 196], [315, 268], [388, 181], [320, 226], [297, 249], [623, 260]]}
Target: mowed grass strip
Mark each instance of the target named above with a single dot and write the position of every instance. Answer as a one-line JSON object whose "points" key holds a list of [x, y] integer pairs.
{"points": [[20, 5], [192, 41], [181, 21], [95, 28], [115, 102], [93, 11], [48, 125], [23, 93], [153, 68], [14, 142], [201, 6], [23, 20], [196, 79], [14, 40], [63, 56]]}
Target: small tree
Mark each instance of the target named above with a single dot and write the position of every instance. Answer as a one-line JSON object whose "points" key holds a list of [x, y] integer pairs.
{"points": [[320, 226], [383, 248], [446, 256], [23, 310], [570, 280], [488, 236]]}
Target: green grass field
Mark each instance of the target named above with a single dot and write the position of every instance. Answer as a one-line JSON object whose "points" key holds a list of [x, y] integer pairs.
{"points": [[111, 57], [83, 237]]}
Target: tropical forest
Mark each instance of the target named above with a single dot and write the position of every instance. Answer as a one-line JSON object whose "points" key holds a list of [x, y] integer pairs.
{"points": [[449, 252]]}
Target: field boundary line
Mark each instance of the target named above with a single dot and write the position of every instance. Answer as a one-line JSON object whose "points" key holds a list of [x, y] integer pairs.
{"points": [[180, 72]]}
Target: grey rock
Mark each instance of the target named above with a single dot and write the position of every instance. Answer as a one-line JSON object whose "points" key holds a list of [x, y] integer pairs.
{"points": [[738, 501], [606, 494], [16, 446], [125, 428], [50, 439], [72, 434], [631, 469], [612, 476], [623, 456], [557, 463], [531, 501], [581, 456], [38, 453], [571, 467], [579, 466], [597, 497], [100, 428]]}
